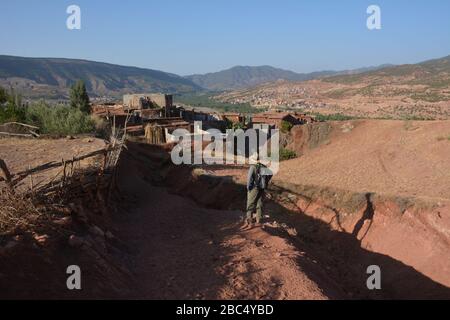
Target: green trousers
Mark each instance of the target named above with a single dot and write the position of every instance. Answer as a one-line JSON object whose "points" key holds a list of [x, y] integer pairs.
{"points": [[255, 201]]}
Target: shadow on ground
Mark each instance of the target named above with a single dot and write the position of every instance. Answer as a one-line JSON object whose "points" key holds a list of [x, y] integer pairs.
{"points": [[346, 262], [185, 262]]}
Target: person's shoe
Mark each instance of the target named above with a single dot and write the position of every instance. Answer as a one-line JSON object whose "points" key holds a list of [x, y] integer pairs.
{"points": [[247, 225]]}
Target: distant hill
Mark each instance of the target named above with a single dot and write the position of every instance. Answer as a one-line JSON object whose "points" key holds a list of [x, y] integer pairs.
{"points": [[240, 77], [434, 72], [51, 77], [411, 91]]}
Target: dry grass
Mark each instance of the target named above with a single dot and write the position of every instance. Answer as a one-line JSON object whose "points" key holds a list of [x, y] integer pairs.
{"points": [[442, 138], [18, 212]]}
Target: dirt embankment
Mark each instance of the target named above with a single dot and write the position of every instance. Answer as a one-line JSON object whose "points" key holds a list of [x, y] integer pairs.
{"points": [[407, 238], [302, 139]]}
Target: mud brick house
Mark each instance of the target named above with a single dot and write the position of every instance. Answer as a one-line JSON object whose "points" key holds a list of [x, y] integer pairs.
{"points": [[147, 101], [169, 123], [234, 117], [192, 115], [151, 113], [135, 130], [157, 131], [274, 119], [105, 109], [115, 113]]}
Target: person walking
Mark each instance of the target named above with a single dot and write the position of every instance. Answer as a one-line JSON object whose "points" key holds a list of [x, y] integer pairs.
{"points": [[257, 181]]}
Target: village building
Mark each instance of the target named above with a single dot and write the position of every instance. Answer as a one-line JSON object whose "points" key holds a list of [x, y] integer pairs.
{"points": [[114, 113], [159, 130], [147, 114], [154, 117], [234, 117], [147, 101], [192, 115], [274, 119]]}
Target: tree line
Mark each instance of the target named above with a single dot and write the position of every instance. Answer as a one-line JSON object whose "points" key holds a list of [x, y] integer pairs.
{"points": [[50, 118]]}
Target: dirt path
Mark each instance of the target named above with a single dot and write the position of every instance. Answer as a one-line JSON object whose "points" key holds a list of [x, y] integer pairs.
{"points": [[184, 251]]}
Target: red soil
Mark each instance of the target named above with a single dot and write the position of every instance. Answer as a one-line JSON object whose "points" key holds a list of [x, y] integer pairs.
{"points": [[185, 251], [401, 158]]}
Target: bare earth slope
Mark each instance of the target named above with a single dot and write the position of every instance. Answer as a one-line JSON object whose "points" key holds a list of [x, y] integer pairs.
{"points": [[388, 157]]}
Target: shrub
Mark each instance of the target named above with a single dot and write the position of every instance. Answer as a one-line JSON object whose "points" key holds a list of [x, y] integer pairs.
{"points": [[102, 126], [442, 138], [286, 154], [333, 117], [59, 119], [286, 126], [228, 123], [11, 113]]}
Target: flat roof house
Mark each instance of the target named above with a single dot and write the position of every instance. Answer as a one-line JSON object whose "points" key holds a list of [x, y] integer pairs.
{"points": [[274, 118]]}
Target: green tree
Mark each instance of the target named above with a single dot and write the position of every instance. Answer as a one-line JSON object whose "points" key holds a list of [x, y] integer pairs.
{"points": [[3, 95], [78, 97], [11, 108]]}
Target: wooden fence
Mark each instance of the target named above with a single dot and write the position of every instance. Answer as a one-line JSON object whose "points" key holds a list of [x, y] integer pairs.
{"points": [[110, 157]]}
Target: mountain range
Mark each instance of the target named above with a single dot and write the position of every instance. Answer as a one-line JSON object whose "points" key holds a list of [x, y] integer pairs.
{"points": [[52, 77], [240, 77]]}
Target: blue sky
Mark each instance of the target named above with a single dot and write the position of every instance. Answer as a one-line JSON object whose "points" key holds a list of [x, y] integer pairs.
{"points": [[198, 36]]}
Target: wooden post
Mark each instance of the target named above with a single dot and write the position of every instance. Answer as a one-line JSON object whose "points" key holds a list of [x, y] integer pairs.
{"points": [[6, 173], [71, 166], [105, 161], [31, 182], [64, 171]]}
